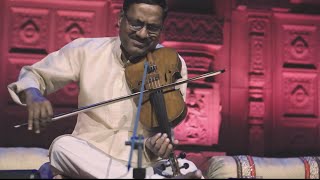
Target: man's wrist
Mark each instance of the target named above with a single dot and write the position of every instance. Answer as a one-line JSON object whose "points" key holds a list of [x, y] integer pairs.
{"points": [[29, 92]]}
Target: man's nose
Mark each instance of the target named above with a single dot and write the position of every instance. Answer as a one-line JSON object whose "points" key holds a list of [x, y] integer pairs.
{"points": [[143, 32]]}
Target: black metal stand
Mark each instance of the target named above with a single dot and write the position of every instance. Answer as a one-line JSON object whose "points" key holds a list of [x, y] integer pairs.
{"points": [[138, 172]]}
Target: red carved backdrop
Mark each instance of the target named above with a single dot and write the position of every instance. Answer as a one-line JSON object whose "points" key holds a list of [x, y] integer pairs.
{"points": [[268, 97], [274, 100]]}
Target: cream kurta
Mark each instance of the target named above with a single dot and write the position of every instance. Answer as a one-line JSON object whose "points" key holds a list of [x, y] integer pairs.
{"points": [[96, 65]]}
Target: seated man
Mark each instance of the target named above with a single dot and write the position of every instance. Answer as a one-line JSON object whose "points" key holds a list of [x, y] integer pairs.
{"points": [[96, 148]]}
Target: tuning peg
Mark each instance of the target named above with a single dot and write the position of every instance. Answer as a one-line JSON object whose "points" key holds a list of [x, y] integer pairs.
{"points": [[164, 166], [182, 155], [185, 166]]}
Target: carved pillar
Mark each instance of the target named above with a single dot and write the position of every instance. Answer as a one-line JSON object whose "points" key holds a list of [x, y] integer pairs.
{"points": [[257, 31], [197, 38]]}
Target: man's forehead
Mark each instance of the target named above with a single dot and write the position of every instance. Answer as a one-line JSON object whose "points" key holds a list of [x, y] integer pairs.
{"points": [[142, 9]]}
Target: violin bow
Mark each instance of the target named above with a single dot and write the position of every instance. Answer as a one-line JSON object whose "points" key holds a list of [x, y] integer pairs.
{"points": [[103, 103]]}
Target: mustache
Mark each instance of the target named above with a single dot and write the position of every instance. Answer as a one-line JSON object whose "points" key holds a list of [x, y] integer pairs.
{"points": [[141, 40]]}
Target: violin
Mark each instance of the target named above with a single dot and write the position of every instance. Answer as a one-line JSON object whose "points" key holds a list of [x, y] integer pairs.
{"points": [[164, 68], [163, 109]]}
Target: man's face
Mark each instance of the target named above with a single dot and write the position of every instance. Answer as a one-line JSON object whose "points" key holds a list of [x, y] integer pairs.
{"points": [[140, 29]]}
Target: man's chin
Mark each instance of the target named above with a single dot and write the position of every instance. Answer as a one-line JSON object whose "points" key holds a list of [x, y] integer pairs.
{"points": [[137, 52], [136, 58]]}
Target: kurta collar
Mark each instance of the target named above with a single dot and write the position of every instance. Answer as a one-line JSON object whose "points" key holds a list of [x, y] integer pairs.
{"points": [[117, 51]]}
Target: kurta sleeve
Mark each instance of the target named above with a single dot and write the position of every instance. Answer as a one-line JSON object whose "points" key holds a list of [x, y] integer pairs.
{"points": [[184, 74], [52, 72]]}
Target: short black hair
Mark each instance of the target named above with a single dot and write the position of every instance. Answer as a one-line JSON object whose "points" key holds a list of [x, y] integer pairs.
{"points": [[162, 3]]}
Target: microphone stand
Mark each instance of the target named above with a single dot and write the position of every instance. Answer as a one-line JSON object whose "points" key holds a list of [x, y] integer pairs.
{"points": [[139, 172]]}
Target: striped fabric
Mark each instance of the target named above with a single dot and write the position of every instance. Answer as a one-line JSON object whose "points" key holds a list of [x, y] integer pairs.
{"points": [[245, 166], [311, 166]]}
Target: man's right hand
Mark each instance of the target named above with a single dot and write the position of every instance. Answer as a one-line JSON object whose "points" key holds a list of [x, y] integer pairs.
{"points": [[39, 109]]}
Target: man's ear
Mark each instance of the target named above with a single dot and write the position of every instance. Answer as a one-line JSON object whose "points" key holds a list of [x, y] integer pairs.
{"points": [[121, 15]]}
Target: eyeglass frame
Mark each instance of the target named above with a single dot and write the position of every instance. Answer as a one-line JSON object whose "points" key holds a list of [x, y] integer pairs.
{"points": [[139, 27]]}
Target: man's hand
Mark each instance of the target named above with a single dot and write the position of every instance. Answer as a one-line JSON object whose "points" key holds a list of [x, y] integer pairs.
{"points": [[160, 145], [39, 109]]}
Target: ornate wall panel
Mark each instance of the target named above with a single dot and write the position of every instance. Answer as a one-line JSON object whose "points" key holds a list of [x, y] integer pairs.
{"points": [[29, 29], [201, 126], [299, 94], [185, 27], [296, 121], [299, 45], [72, 25]]}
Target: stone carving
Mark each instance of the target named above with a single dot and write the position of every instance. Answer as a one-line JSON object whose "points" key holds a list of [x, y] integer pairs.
{"points": [[256, 54], [193, 127], [200, 64], [14, 66], [184, 27], [299, 44], [73, 31], [202, 123], [29, 32], [299, 48], [67, 95], [299, 94], [201, 126], [29, 29], [72, 25], [258, 25], [256, 109]]}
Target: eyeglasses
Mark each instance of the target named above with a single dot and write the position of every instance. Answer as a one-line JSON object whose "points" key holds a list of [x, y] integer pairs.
{"points": [[138, 25]]}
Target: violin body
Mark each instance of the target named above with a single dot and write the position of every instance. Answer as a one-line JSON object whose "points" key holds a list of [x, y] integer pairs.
{"points": [[168, 67], [162, 109]]}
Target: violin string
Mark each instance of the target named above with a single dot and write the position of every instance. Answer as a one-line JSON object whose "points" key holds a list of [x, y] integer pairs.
{"points": [[165, 121]]}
